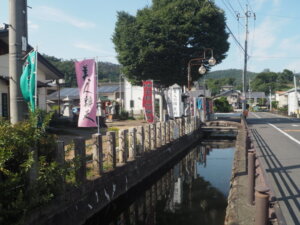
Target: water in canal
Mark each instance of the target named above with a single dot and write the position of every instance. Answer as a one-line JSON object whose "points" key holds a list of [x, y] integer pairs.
{"points": [[192, 191]]}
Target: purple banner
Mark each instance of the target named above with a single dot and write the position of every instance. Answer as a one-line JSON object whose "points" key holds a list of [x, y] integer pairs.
{"points": [[87, 85]]}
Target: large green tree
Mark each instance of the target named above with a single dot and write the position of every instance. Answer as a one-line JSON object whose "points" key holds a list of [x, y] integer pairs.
{"points": [[159, 41], [276, 81]]}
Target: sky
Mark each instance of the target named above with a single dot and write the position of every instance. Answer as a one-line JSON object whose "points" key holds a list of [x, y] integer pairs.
{"points": [[83, 29]]}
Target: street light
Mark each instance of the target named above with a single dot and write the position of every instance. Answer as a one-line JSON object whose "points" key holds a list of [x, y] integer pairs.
{"points": [[199, 61]]}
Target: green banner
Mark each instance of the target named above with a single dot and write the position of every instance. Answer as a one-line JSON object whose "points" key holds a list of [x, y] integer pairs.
{"points": [[28, 80]]}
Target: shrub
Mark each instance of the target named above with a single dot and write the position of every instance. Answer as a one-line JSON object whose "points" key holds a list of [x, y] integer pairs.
{"points": [[222, 105], [21, 145]]}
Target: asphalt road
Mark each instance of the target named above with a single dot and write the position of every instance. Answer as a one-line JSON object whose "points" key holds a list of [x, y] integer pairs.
{"points": [[278, 140]]}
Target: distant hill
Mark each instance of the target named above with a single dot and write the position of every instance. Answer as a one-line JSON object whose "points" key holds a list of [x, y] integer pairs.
{"points": [[230, 73]]}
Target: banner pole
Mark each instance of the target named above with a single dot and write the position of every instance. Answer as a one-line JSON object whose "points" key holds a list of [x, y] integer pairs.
{"points": [[97, 104], [36, 73]]}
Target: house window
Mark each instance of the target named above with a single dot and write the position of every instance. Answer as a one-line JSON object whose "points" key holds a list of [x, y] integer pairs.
{"points": [[4, 101]]}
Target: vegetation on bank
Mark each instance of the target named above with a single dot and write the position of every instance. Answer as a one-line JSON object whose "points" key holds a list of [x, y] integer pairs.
{"points": [[24, 184]]}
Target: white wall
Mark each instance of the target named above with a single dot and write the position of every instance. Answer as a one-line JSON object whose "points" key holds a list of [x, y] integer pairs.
{"points": [[292, 107], [134, 93], [4, 71]]}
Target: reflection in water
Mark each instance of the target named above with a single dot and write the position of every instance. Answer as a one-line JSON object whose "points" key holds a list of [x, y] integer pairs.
{"points": [[194, 191]]}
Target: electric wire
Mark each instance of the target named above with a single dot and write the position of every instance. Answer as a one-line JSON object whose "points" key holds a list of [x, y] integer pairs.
{"points": [[232, 10], [241, 6], [234, 37]]}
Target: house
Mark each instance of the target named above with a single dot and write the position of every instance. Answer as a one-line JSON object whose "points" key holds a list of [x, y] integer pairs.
{"points": [[233, 97], [254, 96], [293, 101], [226, 88], [45, 71], [133, 98], [106, 92], [282, 98]]}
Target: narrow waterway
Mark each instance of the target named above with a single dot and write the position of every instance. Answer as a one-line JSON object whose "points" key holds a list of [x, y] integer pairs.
{"points": [[192, 191]]}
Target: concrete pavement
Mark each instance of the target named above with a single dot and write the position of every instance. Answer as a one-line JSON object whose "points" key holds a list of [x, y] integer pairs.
{"points": [[277, 141]]}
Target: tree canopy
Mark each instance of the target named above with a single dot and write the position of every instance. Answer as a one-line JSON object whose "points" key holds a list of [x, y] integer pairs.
{"points": [[159, 41], [276, 81], [106, 71]]}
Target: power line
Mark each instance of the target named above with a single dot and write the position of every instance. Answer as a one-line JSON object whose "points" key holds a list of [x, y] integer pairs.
{"points": [[231, 10], [241, 6], [235, 39]]}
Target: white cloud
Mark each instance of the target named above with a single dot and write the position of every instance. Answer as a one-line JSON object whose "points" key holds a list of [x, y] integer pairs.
{"points": [[103, 55], [267, 40], [58, 15], [33, 26], [259, 3]]}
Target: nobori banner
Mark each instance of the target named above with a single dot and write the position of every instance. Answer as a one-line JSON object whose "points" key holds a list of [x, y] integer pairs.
{"points": [[148, 100], [87, 84]]}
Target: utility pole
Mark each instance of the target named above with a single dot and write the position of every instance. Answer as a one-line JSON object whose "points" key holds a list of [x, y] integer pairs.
{"points": [[17, 45], [270, 90], [247, 15], [296, 96]]}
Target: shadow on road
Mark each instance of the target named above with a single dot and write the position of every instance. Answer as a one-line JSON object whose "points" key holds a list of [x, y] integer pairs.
{"points": [[280, 175]]}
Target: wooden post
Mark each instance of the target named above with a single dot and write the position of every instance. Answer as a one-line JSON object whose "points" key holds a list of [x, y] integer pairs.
{"points": [[122, 156], [60, 153], [132, 144], [158, 134], [168, 132], [147, 138], [98, 154], [163, 133], [80, 173], [140, 140], [153, 136], [186, 125], [181, 127], [112, 154], [172, 124]]}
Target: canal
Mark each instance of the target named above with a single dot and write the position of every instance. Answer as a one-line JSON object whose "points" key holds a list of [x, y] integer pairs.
{"points": [[191, 191]]}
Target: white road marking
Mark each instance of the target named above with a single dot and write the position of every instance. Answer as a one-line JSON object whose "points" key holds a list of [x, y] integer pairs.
{"points": [[294, 125], [289, 136]]}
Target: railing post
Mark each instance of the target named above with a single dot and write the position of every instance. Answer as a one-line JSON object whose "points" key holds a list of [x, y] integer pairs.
{"points": [[60, 152], [158, 134], [261, 205], [132, 144], [122, 153], [112, 154], [181, 127], [153, 136], [251, 176], [163, 133], [80, 173], [140, 140], [186, 125], [60, 158], [147, 137], [168, 132], [98, 153]]}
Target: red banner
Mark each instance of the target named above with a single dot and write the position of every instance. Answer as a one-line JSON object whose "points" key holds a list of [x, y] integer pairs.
{"points": [[148, 100]]}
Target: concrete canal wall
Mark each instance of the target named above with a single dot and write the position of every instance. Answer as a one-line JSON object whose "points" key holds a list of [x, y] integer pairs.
{"points": [[139, 155]]}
